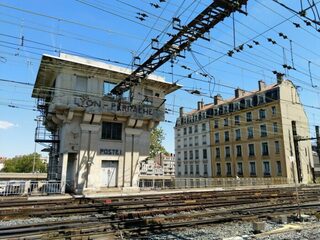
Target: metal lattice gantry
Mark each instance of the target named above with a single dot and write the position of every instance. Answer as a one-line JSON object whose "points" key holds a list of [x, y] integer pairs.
{"points": [[207, 19]]}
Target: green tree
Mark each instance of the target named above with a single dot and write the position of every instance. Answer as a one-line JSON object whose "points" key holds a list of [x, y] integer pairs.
{"points": [[24, 164], [156, 138]]}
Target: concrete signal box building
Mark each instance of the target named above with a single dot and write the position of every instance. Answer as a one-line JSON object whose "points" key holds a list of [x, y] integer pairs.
{"points": [[254, 134], [96, 140]]}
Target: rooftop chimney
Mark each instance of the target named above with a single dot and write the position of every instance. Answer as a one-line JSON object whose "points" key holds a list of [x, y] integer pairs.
{"points": [[217, 99], [239, 93], [200, 105], [181, 111], [280, 78], [262, 85]]}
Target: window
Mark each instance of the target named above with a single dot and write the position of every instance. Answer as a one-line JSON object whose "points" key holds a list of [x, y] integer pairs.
{"points": [[251, 149], [216, 123], [185, 155], [265, 150], [148, 96], [226, 136], [81, 84], [225, 108], [196, 153], [253, 169], [250, 132], [226, 122], [185, 131], [249, 116], [227, 151], [196, 140], [262, 114], [279, 170], [239, 169], [190, 154], [216, 137], [203, 127], [238, 134], [204, 139], [191, 169], [197, 169], [263, 130], [261, 99], [190, 141], [218, 169], [228, 168], [275, 127], [237, 120], [273, 110], [205, 169], [204, 153], [238, 150], [236, 106], [248, 103], [185, 142], [185, 169], [107, 87], [179, 156], [190, 130], [217, 152], [195, 128], [277, 147], [266, 168], [111, 131]]}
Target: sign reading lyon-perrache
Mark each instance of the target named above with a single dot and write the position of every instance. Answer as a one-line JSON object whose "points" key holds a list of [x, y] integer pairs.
{"points": [[107, 151], [112, 106]]}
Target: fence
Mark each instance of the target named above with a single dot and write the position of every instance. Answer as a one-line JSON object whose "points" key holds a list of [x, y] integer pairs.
{"points": [[182, 183], [9, 188]]}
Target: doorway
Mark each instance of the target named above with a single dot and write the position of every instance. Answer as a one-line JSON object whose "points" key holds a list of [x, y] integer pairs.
{"points": [[109, 171]]}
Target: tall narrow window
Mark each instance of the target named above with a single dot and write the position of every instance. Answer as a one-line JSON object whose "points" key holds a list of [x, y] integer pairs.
{"points": [[218, 169], [253, 169], [263, 130], [262, 114], [275, 127], [251, 149], [228, 168], [237, 120], [250, 132], [227, 151], [226, 136], [204, 153], [238, 134], [266, 168], [240, 169], [238, 150], [265, 149], [277, 147], [279, 170], [217, 152], [249, 116], [216, 137]]}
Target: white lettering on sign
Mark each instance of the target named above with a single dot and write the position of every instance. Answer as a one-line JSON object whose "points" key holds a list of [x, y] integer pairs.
{"points": [[107, 151]]}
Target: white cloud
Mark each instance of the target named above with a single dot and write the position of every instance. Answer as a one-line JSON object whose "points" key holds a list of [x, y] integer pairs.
{"points": [[6, 125]]}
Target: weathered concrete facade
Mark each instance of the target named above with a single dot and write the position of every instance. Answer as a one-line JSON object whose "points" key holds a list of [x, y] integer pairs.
{"points": [[100, 138]]}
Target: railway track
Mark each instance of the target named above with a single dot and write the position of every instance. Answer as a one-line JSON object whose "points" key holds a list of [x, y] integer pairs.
{"points": [[132, 216]]}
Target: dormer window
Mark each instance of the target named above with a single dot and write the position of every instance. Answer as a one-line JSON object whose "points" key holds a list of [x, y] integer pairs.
{"points": [[261, 99], [248, 103], [225, 109], [236, 106]]}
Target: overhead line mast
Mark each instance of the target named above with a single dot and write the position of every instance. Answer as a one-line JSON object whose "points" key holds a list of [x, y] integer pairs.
{"points": [[207, 19]]}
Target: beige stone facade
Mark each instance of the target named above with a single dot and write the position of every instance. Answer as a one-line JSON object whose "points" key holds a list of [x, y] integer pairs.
{"points": [[100, 138], [256, 134]]}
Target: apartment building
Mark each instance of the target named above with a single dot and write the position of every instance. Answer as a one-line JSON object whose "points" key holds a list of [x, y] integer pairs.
{"points": [[96, 140], [256, 134], [192, 143], [253, 134]]}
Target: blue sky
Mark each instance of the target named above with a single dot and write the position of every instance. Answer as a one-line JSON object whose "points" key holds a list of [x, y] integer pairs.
{"points": [[110, 30]]}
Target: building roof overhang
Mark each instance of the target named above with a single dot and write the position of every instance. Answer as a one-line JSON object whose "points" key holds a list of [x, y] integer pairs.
{"points": [[50, 66]]}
